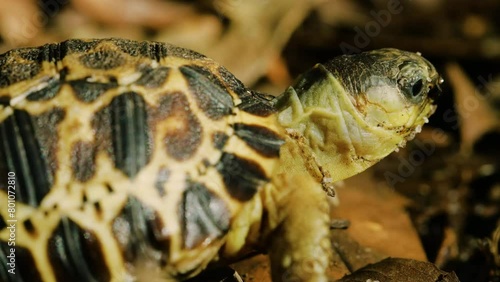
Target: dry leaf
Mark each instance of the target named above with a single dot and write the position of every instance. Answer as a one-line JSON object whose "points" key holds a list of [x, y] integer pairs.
{"points": [[400, 270]]}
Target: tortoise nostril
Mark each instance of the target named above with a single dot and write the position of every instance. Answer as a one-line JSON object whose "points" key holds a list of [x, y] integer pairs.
{"points": [[434, 92]]}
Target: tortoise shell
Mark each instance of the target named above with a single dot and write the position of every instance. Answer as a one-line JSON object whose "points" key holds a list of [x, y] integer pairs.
{"points": [[113, 151]]}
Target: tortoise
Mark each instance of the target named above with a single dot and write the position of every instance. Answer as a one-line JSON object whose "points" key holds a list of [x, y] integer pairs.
{"points": [[123, 160]]}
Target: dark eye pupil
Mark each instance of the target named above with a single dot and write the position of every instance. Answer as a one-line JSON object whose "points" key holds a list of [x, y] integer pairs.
{"points": [[417, 88]]}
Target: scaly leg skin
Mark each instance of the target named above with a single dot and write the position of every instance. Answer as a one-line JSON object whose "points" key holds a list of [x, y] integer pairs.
{"points": [[300, 246]]}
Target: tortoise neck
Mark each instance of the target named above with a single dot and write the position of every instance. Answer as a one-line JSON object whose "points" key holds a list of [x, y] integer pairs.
{"points": [[322, 113]]}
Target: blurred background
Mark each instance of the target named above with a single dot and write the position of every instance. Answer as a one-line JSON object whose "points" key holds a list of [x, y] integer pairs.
{"points": [[436, 200]]}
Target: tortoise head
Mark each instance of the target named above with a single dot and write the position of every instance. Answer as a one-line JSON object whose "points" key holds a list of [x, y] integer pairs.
{"points": [[356, 109]]}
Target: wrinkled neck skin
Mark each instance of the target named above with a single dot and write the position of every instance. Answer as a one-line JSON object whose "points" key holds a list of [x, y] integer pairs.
{"points": [[339, 138]]}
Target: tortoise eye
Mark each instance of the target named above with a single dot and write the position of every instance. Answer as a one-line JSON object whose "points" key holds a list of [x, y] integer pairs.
{"points": [[417, 88]]}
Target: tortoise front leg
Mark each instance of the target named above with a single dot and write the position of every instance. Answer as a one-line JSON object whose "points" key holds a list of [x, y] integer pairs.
{"points": [[300, 246]]}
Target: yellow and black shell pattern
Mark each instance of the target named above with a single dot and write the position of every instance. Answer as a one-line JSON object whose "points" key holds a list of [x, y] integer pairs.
{"points": [[112, 149]]}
